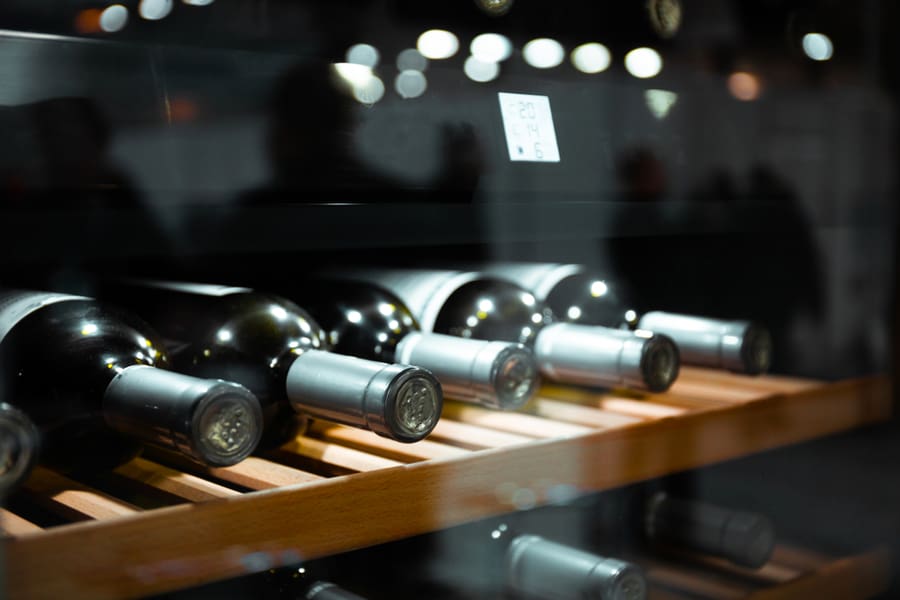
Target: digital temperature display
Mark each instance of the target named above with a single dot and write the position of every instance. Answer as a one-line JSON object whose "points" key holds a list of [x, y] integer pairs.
{"points": [[528, 125]]}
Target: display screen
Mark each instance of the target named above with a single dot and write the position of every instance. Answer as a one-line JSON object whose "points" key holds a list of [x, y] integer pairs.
{"points": [[528, 126]]}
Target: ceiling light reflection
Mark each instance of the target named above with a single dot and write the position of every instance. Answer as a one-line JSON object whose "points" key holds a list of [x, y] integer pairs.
{"points": [[437, 44], [544, 53], [491, 47], [591, 58], [643, 63], [744, 86], [410, 84], [154, 10], [365, 86], [818, 46], [479, 71], [411, 60], [660, 102], [113, 18], [363, 54]]}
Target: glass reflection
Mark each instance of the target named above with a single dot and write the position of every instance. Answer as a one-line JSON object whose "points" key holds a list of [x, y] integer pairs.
{"points": [[113, 18], [363, 54], [479, 71], [88, 21], [660, 102], [410, 84], [364, 85], [599, 288], [438, 44], [643, 63], [154, 10], [591, 58], [411, 60], [744, 86], [818, 46], [543, 53], [491, 47], [278, 312]]}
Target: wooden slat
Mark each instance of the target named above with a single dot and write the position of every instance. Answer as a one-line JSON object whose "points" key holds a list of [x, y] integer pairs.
{"points": [[614, 401], [464, 435], [715, 392], [584, 415], [770, 573], [14, 525], [517, 423], [183, 485], [340, 456], [861, 576], [763, 384], [369, 442], [72, 499], [184, 545], [260, 474], [800, 559]]}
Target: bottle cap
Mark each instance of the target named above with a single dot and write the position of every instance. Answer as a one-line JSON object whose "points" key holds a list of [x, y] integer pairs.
{"points": [[19, 440], [739, 346], [601, 356], [400, 402], [214, 422], [536, 566], [494, 374], [659, 362]]}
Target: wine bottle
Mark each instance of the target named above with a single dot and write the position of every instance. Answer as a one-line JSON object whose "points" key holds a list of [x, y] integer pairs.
{"points": [[464, 304], [279, 352], [578, 296], [93, 380], [499, 560], [369, 322], [19, 443], [744, 538]]}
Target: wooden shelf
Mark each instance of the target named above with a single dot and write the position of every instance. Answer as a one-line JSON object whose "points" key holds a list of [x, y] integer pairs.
{"points": [[152, 526], [791, 573]]}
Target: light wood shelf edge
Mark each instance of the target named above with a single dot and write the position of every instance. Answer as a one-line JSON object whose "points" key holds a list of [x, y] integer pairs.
{"points": [[861, 576], [182, 546]]}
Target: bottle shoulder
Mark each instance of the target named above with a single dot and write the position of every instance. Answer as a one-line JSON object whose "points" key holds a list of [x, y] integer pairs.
{"points": [[493, 309], [363, 320], [589, 299]]}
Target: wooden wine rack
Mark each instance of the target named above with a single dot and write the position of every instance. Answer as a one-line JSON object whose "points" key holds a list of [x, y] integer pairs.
{"points": [[790, 574], [156, 525]]}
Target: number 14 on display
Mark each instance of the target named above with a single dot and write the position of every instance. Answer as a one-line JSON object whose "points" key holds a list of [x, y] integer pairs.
{"points": [[528, 125]]}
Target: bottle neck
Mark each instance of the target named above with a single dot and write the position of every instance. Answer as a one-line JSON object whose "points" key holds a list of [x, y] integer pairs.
{"points": [[538, 567], [400, 402], [210, 421], [495, 374]]}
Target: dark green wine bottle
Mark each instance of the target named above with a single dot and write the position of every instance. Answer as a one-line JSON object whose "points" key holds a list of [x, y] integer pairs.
{"points": [[278, 351], [93, 380], [369, 322], [465, 305], [578, 296]]}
